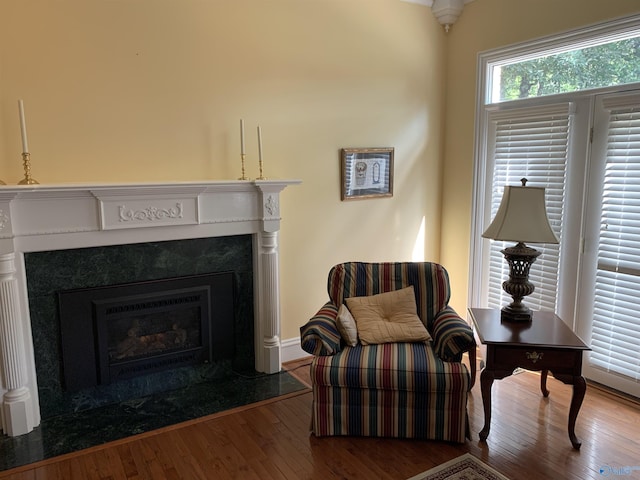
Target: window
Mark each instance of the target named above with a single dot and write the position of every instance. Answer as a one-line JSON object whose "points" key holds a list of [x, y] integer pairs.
{"points": [[579, 138], [612, 240], [530, 143], [578, 69]]}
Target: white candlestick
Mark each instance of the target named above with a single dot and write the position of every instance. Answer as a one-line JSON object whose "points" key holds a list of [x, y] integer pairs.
{"points": [[23, 127], [259, 144], [242, 136]]}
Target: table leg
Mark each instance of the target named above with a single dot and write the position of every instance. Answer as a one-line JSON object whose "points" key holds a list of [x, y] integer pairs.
{"points": [[486, 381], [543, 383], [472, 366], [579, 390]]}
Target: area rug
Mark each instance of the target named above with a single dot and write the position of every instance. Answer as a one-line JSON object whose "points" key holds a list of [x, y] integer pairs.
{"points": [[464, 467]]}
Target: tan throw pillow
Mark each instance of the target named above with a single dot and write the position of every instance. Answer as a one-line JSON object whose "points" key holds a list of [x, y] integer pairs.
{"points": [[388, 317], [347, 326]]}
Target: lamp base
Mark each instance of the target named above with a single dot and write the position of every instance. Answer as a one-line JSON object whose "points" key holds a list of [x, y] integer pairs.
{"points": [[519, 257], [509, 314]]}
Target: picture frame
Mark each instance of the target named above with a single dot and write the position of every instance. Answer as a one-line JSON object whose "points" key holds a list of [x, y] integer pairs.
{"points": [[366, 173]]}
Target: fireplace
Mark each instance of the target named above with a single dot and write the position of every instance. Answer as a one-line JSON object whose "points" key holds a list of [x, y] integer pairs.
{"points": [[118, 332], [118, 281], [39, 219]]}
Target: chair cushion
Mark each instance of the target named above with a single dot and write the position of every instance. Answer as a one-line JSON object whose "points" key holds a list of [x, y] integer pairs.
{"points": [[388, 317], [390, 366]]}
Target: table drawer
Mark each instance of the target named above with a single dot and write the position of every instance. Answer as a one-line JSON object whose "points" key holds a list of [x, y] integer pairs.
{"points": [[558, 361]]}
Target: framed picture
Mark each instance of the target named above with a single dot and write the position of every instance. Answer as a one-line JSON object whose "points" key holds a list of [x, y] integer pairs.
{"points": [[366, 173]]}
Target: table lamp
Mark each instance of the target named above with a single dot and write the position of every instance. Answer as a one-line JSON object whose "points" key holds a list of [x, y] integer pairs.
{"points": [[521, 218]]}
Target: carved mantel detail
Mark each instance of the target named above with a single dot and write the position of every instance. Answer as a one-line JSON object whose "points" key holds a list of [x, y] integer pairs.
{"points": [[4, 219], [271, 205], [150, 213]]}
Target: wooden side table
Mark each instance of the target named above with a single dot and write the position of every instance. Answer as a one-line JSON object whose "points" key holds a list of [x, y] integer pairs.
{"points": [[544, 344]]}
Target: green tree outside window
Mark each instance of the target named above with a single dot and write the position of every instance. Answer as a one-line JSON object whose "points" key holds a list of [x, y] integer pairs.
{"points": [[616, 63]]}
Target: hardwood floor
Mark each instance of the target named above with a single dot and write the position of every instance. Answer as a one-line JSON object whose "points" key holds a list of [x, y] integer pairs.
{"points": [[271, 440]]}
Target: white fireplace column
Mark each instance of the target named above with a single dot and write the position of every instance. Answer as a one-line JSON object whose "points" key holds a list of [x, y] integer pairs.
{"points": [[17, 408], [268, 351], [269, 307]]}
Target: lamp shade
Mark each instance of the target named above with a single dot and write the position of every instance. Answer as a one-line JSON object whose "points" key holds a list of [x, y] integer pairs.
{"points": [[522, 217]]}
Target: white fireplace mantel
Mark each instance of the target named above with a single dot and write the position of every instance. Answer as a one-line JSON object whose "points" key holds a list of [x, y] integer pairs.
{"points": [[55, 217]]}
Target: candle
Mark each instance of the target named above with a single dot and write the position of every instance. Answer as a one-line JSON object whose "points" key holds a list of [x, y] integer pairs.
{"points": [[242, 136], [23, 127], [259, 144]]}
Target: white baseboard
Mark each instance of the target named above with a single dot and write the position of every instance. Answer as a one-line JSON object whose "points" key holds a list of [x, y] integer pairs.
{"points": [[291, 350]]}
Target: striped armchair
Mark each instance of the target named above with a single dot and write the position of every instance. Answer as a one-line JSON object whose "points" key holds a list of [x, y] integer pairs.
{"points": [[403, 390]]}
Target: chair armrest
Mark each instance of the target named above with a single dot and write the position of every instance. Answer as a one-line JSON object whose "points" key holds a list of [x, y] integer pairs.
{"points": [[320, 335], [452, 336]]}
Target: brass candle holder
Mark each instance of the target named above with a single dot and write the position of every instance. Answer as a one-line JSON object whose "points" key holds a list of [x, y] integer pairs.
{"points": [[28, 179], [243, 177], [261, 177]]}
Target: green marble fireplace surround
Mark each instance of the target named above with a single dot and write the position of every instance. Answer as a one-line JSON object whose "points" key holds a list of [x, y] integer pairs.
{"points": [[51, 271]]}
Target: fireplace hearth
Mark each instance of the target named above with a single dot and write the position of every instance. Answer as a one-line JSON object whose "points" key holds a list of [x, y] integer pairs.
{"points": [[116, 332]]}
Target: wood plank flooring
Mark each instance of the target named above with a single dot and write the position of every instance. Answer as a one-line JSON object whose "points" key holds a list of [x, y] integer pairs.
{"points": [[271, 440]]}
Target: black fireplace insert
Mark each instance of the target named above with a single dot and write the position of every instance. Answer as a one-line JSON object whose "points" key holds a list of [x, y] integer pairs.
{"points": [[115, 332]]}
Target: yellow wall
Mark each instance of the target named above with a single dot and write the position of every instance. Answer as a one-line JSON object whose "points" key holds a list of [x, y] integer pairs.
{"points": [[153, 90], [485, 25]]}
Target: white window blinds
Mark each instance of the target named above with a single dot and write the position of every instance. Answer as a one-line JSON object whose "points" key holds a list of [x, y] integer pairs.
{"points": [[530, 143], [616, 323]]}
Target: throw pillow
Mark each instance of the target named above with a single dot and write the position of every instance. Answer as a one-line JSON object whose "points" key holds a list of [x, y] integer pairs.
{"points": [[388, 317], [347, 326]]}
